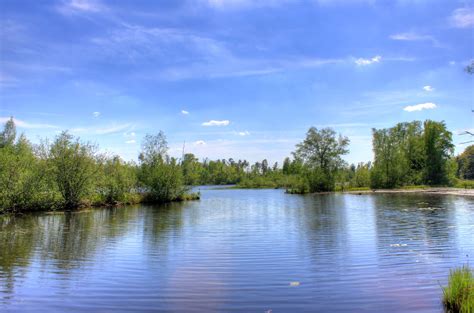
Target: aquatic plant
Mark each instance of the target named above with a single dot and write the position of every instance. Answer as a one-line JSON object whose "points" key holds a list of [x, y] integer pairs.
{"points": [[459, 294]]}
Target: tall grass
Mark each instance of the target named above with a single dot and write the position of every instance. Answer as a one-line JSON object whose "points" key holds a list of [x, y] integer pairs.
{"points": [[459, 294]]}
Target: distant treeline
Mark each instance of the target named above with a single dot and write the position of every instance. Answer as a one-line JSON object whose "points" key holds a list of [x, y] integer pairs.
{"points": [[408, 154], [68, 173]]}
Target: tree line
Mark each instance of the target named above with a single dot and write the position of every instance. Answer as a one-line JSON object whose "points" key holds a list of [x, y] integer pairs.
{"points": [[68, 173]]}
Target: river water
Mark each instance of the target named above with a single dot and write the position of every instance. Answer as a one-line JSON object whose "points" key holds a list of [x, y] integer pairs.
{"points": [[239, 251]]}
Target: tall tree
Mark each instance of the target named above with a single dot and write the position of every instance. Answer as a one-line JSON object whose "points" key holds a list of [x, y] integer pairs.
{"points": [[159, 174], [438, 150], [154, 148], [321, 153], [8, 135]]}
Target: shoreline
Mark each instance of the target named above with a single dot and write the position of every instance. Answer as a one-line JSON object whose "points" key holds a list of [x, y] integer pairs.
{"points": [[431, 190]]}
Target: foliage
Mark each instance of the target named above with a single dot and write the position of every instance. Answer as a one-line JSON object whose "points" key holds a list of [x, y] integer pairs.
{"points": [[438, 149], [465, 163], [459, 294], [118, 181], [412, 154], [160, 175], [23, 183], [69, 173], [8, 135], [73, 168], [320, 154], [463, 183]]}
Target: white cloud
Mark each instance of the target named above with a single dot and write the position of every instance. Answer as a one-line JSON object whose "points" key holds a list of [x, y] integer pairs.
{"points": [[184, 112], [242, 4], [428, 88], [419, 107], [363, 62], [216, 123], [412, 36], [82, 6], [243, 133], [131, 141], [200, 143], [23, 124], [96, 114], [462, 17], [344, 2], [101, 130]]}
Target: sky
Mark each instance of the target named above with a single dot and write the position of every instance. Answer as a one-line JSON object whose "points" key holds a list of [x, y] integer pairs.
{"points": [[241, 79]]}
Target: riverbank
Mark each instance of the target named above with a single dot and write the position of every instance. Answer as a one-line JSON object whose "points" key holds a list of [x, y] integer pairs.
{"points": [[428, 190], [133, 199]]}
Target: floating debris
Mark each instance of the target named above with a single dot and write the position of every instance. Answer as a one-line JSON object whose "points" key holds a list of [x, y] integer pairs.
{"points": [[396, 245], [294, 283]]}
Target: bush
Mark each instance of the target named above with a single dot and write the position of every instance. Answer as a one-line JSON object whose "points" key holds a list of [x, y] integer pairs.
{"points": [[118, 180], [163, 182]]}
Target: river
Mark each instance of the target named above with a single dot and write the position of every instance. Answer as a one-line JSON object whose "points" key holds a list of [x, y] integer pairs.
{"points": [[239, 251]]}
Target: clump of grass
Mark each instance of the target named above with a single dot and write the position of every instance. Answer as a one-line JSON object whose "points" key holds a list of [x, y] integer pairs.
{"points": [[459, 294], [189, 196]]}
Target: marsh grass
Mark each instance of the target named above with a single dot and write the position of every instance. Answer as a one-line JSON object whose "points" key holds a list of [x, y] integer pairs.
{"points": [[459, 294]]}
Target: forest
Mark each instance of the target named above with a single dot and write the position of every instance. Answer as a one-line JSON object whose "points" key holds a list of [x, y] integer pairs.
{"points": [[67, 173]]}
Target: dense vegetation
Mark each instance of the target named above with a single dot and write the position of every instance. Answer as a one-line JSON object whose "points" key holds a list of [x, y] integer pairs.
{"points": [[408, 154], [459, 294], [68, 173]]}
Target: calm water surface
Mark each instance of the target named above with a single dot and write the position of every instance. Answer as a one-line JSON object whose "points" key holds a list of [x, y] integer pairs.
{"points": [[239, 251]]}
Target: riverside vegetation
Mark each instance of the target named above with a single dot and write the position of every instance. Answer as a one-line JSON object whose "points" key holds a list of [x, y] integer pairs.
{"points": [[459, 294], [68, 173]]}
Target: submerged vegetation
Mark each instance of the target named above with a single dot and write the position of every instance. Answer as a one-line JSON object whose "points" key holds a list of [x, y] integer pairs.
{"points": [[68, 173], [459, 294]]}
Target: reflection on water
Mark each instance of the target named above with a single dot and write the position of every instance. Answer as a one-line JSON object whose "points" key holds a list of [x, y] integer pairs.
{"points": [[239, 250]]}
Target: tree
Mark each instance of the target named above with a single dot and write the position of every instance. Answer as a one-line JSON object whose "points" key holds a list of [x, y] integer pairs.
{"points": [[8, 135], [159, 174], [410, 154], [438, 150], [154, 148], [361, 176], [118, 179], [191, 169], [321, 153], [398, 155], [466, 163], [287, 166], [73, 166]]}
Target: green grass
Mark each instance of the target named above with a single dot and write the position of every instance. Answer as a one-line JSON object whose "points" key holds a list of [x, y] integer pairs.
{"points": [[189, 196], [412, 187], [459, 294], [463, 183]]}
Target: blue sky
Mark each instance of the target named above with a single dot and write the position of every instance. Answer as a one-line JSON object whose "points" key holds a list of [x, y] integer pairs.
{"points": [[234, 78]]}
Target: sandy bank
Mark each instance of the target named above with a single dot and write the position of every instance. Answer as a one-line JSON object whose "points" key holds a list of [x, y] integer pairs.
{"points": [[438, 191]]}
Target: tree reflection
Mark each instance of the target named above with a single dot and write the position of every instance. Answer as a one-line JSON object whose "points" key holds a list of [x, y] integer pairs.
{"points": [[17, 242]]}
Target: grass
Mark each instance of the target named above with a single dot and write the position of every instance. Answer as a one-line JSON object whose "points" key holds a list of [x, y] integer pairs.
{"points": [[459, 294], [462, 183], [413, 187], [189, 196]]}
